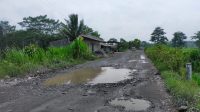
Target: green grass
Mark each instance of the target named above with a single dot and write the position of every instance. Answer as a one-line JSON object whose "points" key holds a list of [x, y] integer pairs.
{"points": [[171, 63], [196, 77], [185, 92], [18, 62]]}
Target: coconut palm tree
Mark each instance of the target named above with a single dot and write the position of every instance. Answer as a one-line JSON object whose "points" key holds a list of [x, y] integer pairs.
{"points": [[73, 28]]}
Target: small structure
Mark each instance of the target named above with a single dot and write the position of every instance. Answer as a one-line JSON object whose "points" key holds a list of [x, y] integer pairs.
{"points": [[108, 47], [93, 42], [96, 44]]}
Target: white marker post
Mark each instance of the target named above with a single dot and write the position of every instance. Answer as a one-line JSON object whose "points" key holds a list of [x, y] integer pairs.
{"points": [[189, 71]]}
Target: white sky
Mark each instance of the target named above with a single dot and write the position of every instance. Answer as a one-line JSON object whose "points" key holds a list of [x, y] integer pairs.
{"points": [[127, 19]]}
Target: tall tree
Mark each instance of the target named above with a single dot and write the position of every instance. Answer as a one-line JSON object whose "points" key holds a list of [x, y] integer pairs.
{"points": [[137, 43], [41, 24], [112, 40], [89, 31], [6, 28], [1, 31], [123, 45], [145, 44], [158, 36], [96, 34], [197, 38], [73, 28], [122, 40], [178, 40]]}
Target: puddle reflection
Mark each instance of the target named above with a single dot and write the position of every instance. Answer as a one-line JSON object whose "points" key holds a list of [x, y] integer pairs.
{"points": [[90, 76]]}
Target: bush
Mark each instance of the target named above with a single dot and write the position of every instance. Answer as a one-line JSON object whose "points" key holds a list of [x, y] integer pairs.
{"points": [[79, 49], [16, 56], [17, 62], [196, 77], [194, 58], [165, 57], [30, 50], [171, 63]]}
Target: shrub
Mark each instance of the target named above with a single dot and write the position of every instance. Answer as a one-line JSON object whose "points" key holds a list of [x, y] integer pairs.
{"points": [[195, 60], [30, 50], [17, 62], [165, 57], [79, 49], [9, 69], [16, 56], [171, 62]]}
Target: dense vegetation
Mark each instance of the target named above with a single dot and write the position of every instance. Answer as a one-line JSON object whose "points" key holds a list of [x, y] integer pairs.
{"points": [[27, 50], [41, 30], [124, 45], [171, 63], [32, 58]]}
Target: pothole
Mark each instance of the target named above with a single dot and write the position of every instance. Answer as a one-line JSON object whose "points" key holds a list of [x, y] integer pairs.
{"points": [[90, 76], [142, 57], [131, 104]]}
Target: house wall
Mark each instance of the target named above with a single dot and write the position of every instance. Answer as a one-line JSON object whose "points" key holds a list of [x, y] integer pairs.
{"points": [[96, 45]]}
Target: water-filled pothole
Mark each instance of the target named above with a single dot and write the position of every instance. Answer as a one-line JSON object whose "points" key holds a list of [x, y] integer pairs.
{"points": [[131, 104], [142, 57], [90, 76]]}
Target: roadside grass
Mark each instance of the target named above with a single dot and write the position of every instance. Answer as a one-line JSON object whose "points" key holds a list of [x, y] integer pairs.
{"points": [[196, 77], [18, 62], [171, 63], [185, 92]]}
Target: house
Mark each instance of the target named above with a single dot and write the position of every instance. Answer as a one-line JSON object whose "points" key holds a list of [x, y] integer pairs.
{"points": [[93, 42]]}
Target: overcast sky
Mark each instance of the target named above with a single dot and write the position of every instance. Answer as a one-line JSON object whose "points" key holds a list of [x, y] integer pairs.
{"points": [[127, 19]]}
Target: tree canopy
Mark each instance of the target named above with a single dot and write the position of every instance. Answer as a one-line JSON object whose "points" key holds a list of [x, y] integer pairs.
{"points": [[137, 43], [41, 24], [197, 38], [73, 28], [178, 39], [89, 31], [158, 36], [112, 40], [6, 28]]}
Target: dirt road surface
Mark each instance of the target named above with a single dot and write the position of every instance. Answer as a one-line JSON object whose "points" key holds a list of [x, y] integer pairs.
{"points": [[141, 90]]}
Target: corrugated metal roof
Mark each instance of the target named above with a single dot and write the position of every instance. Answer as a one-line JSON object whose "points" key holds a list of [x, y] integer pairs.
{"points": [[92, 38]]}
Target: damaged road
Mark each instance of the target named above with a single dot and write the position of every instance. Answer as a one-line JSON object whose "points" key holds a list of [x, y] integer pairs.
{"points": [[126, 82]]}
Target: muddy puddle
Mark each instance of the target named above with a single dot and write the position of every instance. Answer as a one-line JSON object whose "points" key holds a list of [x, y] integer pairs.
{"points": [[90, 76], [131, 104]]}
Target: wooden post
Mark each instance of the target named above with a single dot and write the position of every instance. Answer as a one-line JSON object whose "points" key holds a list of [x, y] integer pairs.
{"points": [[189, 71]]}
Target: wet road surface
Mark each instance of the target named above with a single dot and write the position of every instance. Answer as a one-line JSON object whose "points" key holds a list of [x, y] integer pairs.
{"points": [[125, 82]]}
